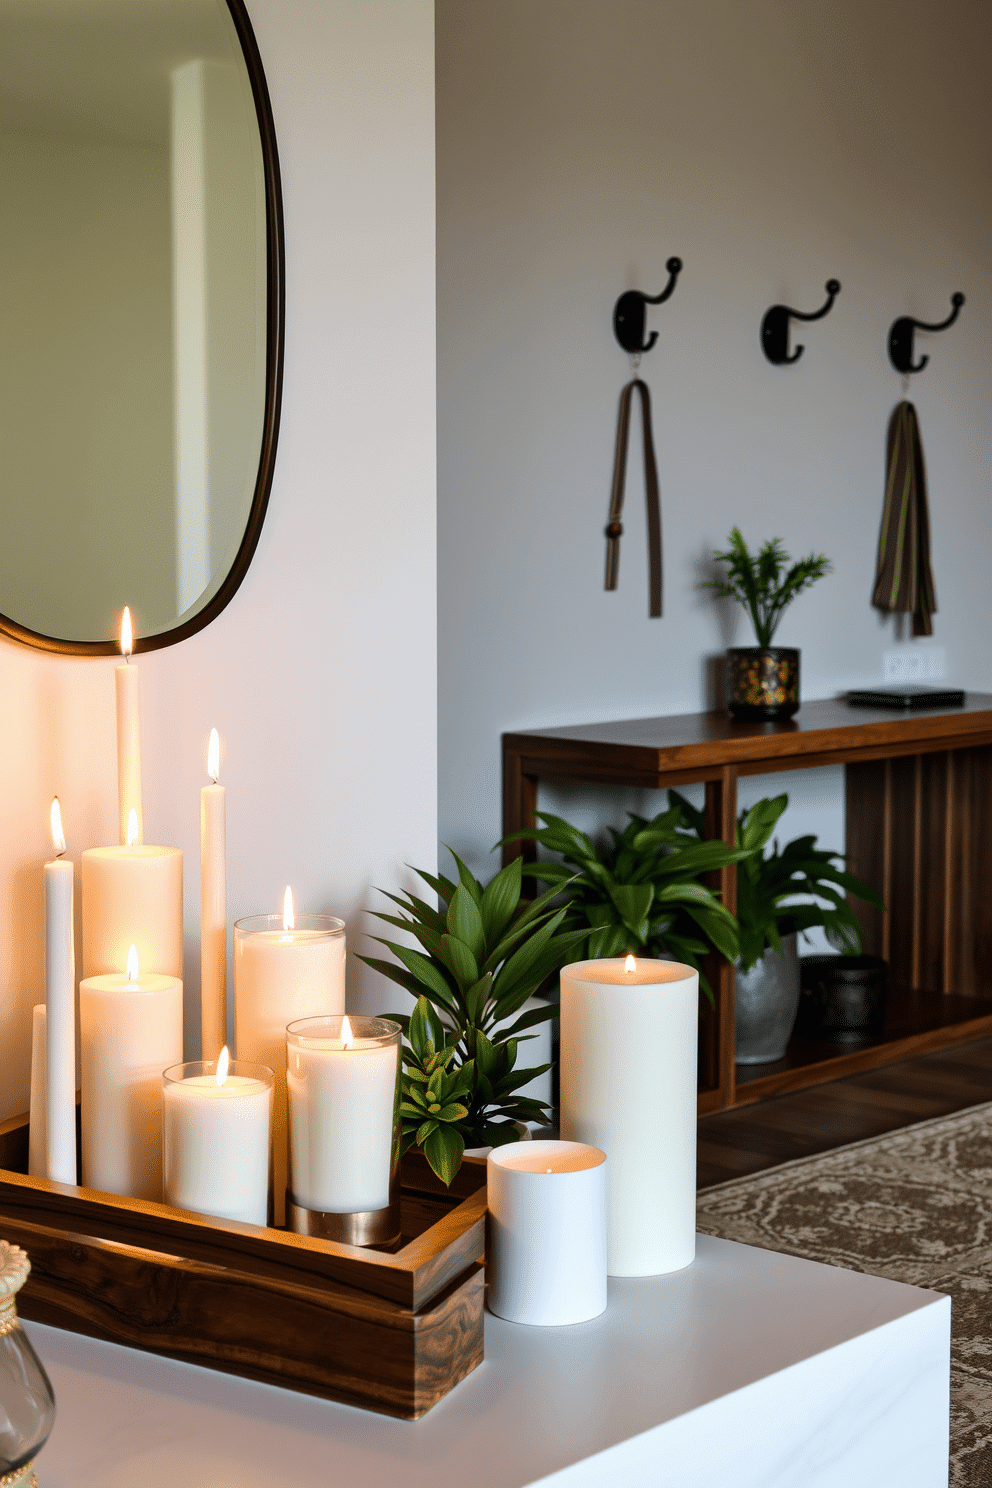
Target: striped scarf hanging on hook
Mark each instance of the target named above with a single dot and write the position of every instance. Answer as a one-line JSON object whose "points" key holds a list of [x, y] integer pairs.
{"points": [[614, 530], [903, 578]]}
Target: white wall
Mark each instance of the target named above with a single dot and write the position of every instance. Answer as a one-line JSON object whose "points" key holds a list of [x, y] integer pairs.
{"points": [[771, 145], [320, 674]]}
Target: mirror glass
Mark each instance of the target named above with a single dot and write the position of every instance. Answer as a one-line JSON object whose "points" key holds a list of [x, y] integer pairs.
{"points": [[139, 314]]}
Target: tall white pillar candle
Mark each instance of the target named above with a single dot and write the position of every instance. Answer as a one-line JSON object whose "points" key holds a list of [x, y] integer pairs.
{"points": [[132, 896], [60, 1002], [343, 1081], [628, 1085], [213, 909], [285, 967], [546, 1260], [38, 1117], [128, 735], [216, 1121], [131, 1029]]}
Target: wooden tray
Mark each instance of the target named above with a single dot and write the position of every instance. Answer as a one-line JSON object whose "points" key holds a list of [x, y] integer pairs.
{"points": [[392, 1332]]}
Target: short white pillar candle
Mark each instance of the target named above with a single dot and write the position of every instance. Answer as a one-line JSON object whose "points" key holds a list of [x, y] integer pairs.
{"points": [[131, 1029], [343, 1079], [216, 1125], [286, 967], [629, 1032], [132, 895], [547, 1232]]}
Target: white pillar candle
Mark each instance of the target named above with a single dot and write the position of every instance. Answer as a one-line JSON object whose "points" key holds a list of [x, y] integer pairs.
{"points": [[132, 896], [628, 1085], [128, 735], [343, 1079], [283, 970], [213, 909], [546, 1259], [131, 1029], [38, 1117], [216, 1121], [60, 1001]]}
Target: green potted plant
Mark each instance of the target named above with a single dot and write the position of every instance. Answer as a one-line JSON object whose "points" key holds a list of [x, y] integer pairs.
{"points": [[763, 680], [781, 892], [484, 953], [641, 890]]}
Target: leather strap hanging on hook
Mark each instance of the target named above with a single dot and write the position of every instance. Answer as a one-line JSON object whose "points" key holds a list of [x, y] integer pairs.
{"points": [[614, 530]]}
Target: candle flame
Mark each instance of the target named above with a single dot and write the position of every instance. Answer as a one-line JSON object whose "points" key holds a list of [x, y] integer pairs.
{"points": [[58, 835], [213, 756], [127, 634], [288, 918], [630, 964], [132, 964], [132, 828], [222, 1065], [347, 1037]]}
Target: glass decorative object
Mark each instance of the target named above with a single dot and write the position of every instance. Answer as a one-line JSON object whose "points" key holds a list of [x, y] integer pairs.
{"points": [[27, 1402]]}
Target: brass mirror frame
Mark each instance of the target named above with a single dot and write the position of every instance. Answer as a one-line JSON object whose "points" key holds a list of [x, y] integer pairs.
{"points": [[275, 316]]}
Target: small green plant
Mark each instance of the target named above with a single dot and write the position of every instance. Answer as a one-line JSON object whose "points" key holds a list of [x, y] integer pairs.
{"points": [[642, 891], [483, 955], [765, 584], [788, 890]]}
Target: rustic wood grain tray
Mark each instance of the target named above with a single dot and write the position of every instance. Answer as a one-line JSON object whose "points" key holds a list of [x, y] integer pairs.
{"points": [[390, 1331]]}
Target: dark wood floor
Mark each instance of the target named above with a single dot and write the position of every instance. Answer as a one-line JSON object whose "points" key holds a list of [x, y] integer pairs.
{"points": [[733, 1144]]}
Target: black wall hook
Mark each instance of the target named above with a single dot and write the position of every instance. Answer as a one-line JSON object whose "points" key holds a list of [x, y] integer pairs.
{"points": [[775, 326], [901, 337], [628, 312]]}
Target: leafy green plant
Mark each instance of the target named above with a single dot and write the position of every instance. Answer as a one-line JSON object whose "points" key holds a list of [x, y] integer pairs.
{"points": [[642, 891], [483, 954], [771, 885], [765, 583]]}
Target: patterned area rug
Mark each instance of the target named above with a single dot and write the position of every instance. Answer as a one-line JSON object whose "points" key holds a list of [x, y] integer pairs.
{"points": [[915, 1206]]}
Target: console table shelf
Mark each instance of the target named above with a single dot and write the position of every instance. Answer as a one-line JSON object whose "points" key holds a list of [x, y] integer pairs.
{"points": [[919, 808]]}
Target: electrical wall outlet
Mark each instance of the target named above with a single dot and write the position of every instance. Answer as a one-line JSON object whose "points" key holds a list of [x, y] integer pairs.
{"points": [[914, 664]]}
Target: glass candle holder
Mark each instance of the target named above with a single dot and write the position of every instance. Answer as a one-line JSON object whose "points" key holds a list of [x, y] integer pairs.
{"points": [[282, 973], [216, 1138], [343, 1078], [27, 1401]]}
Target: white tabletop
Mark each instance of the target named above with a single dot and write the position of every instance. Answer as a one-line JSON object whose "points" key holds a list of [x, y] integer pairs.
{"points": [[742, 1336]]}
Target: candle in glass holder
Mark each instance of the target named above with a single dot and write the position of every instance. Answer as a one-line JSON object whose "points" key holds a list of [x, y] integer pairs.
{"points": [[132, 895], [216, 1122], [628, 1085], [131, 1029], [286, 967], [343, 1078]]}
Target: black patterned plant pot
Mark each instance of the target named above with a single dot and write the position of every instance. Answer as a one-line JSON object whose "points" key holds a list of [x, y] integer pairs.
{"points": [[763, 681], [843, 997]]}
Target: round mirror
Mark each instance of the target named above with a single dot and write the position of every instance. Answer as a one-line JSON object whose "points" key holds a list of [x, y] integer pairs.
{"points": [[141, 302]]}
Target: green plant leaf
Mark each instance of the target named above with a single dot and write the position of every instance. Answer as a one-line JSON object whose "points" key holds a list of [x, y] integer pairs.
{"points": [[444, 1149], [427, 973], [453, 1112], [467, 879], [499, 901], [477, 996], [465, 923], [460, 959], [425, 1131]]}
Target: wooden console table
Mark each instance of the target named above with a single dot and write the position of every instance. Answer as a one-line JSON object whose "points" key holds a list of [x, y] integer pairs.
{"points": [[919, 828]]}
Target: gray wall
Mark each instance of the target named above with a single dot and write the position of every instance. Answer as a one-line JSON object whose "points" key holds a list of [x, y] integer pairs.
{"points": [[771, 145]]}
